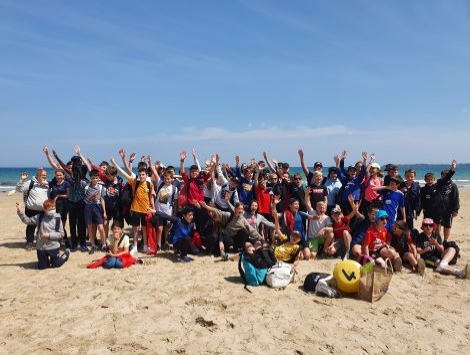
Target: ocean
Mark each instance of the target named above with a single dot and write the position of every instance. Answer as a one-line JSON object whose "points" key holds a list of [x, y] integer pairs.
{"points": [[9, 176]]}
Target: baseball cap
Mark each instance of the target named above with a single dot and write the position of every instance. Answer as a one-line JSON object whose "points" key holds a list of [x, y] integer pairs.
{"points": [[380, 214], [332, 169], [318, 165], [375, 165]]}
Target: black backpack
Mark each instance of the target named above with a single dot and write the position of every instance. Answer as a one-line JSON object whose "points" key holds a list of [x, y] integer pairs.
{"points": [[127, 195]]}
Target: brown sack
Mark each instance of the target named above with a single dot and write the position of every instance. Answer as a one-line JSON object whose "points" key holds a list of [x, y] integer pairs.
{"points": [[374, 283]]}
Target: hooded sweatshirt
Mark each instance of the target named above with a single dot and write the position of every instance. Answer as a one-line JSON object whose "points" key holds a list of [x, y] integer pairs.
{"points": [[46, 223]]}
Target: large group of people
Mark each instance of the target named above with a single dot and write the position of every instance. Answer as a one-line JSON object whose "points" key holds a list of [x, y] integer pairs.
{"points": [[358, 211]]}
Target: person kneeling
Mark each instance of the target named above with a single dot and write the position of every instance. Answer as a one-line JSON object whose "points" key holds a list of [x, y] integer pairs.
{"points": [[50, 232]]}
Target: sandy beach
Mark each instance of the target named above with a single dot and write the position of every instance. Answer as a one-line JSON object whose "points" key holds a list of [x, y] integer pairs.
{"points": [[167, 307]]}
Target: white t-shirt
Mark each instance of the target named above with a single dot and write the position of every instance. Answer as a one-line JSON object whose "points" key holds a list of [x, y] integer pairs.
{"points": [[165, 197], [314, 226]]}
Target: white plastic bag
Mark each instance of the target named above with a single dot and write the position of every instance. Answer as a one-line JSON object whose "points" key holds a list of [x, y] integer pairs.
{"points": [[280, 275]]}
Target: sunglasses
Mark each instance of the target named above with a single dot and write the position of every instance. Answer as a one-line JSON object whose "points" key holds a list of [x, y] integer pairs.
{"points": [[428, 225], [383, 218]]}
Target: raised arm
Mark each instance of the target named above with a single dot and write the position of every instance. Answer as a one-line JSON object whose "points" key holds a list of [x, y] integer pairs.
{"points": [[127, 165], [85, 161], [51, 161], [302, 162], [196, 161], [182, 159], [61, 163], [270, 164], [121, 170]]}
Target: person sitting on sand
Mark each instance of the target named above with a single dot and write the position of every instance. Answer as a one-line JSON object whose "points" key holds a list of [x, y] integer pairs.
{"points": [[117, 246], [402, 239], [375, 243], [437, 254], [49, 233]]}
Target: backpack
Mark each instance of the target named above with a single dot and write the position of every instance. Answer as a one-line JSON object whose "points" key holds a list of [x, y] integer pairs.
{"points": [[280, 275], [311, 281], [26, 193], [251, 275]]}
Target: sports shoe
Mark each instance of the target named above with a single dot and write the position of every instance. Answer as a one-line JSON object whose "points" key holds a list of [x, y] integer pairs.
{"points": [[145, 249], [133, 251], [29, 246], [83, 248], [397, 265], [464, 273], [65, 256], [92, 249], [186, 259], [104, 248], [421, 267], [165, 247]]}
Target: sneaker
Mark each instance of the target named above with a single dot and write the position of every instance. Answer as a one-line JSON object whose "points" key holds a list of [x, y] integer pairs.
{"points": [[397, 265], [74, 248], [225, 257], [145, 249], [92, 249], [165, 247], [421, 267], [65, 256], [83, 248], [133, 251], [29, 246], [186, 259], [464, 273], [104, 248]]}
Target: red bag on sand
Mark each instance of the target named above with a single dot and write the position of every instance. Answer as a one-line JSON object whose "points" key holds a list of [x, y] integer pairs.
{"points": [[127, 260], [151, 235]]}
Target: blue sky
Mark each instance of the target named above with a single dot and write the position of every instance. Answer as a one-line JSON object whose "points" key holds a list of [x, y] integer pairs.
{"points": [[236, 77]]}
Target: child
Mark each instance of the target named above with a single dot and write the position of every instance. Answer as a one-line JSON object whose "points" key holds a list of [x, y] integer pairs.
{"points": [[288, 251], [142, 203], [401, 238], [431, 248], [118, 245], [341, 230], [375, 243], [95, 210], [411, 189], [184, 230], [393, 200], [319, 227], [49, 233]]}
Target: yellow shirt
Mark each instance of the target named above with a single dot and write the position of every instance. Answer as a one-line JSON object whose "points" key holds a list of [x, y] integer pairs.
{"points": [[141, 200]]}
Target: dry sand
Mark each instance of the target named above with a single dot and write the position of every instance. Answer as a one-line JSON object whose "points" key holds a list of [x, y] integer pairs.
{"points": [[167, 307]]}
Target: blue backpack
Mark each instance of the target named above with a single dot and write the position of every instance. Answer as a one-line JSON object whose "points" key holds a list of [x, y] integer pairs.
{"points": [[251, 275]]}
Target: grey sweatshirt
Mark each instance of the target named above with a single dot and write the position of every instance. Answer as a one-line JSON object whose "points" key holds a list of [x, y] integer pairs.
{"points": [[37, 195], [47, 225]]}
